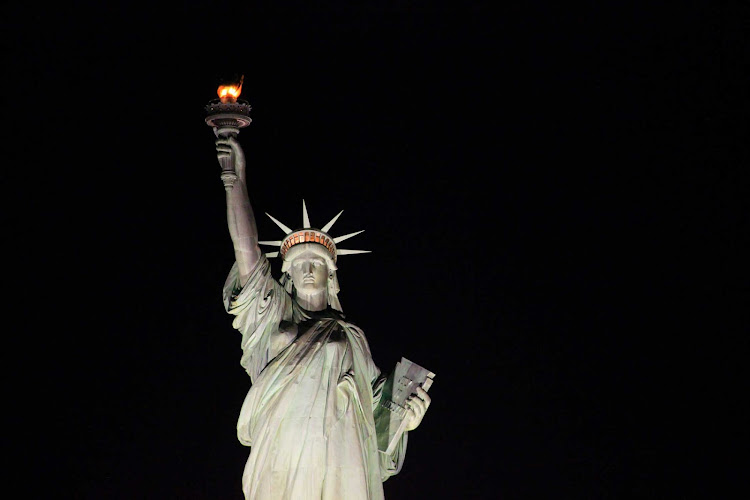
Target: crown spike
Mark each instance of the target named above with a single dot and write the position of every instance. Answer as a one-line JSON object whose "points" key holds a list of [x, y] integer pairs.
{"points": [[339, 239], [282, 226], [305, 217], [276, 243], [331, 223], [341, 251]]}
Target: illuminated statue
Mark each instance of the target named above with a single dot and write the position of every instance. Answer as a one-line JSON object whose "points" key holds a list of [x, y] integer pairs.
{"points": [[309, 416]]}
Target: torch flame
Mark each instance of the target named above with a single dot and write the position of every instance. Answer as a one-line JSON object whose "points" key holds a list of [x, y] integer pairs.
{"points": [[230, 93]]}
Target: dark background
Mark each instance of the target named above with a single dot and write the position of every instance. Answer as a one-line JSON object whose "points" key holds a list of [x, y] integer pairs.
{"points": [[552, 193]]}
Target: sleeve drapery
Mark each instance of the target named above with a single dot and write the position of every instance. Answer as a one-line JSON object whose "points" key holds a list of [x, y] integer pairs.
{"points": [[390, 465], [258, 306]]}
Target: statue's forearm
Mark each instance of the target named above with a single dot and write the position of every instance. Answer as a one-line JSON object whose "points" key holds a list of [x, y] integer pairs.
{"points": [[242, 228]]}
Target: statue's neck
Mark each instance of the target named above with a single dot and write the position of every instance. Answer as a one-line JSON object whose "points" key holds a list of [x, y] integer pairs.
{"points": [[316, 301]]}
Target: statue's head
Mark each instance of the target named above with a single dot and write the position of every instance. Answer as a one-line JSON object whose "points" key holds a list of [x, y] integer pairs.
{"points": [[309, 258], [309, 267]]}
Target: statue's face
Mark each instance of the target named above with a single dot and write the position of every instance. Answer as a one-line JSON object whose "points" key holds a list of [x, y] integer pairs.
{"points": [[309, 272]]}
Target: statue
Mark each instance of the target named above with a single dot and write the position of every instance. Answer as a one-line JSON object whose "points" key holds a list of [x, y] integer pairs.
{"points": [[310, 415]]}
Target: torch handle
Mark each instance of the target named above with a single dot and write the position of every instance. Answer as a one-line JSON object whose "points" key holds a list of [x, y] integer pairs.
{"points": [[228, 175]]}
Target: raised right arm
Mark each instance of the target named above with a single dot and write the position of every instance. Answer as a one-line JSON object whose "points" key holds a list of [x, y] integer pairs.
{"points": [[240, 215]]}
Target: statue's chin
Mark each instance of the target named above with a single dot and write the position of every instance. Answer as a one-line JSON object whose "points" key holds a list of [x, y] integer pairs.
{"points": [[310, 288]]}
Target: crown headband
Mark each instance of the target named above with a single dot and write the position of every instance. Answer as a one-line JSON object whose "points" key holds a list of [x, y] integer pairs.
{"points": [[310, 235]]}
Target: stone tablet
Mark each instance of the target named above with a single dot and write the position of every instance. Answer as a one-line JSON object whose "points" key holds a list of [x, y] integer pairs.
{"points": [[392, 412]]}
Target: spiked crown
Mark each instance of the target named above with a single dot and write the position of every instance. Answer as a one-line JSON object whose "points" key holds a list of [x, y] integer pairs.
{"points": [[309, 234]]}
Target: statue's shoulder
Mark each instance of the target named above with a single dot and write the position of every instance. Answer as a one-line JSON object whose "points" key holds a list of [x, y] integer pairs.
{"points": [[357, 331]]}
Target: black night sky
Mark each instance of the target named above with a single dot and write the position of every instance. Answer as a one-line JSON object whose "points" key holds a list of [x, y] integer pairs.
{"points": [[552, 193]]}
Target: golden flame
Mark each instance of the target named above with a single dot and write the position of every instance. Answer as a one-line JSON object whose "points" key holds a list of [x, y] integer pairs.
{"points": [[230, 93]]}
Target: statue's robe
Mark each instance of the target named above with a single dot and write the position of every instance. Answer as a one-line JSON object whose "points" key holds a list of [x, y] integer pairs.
{"points": [[308, 416]]}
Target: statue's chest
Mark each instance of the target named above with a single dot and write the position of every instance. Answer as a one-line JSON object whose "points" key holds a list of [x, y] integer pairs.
{"points": [[328, 333], [321, 334]]}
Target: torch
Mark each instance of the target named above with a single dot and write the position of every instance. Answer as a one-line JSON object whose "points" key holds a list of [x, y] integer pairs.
{"points": [[227, 115]]}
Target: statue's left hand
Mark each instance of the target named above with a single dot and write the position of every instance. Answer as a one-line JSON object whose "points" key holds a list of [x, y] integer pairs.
{"points": [[417, 406]]}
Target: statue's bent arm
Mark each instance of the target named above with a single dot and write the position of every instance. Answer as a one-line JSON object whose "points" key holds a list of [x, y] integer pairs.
{"points": [[240, 217]]}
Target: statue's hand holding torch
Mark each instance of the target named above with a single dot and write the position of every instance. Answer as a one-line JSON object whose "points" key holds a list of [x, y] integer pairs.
{"points": [[227, 115], [231, 156]]}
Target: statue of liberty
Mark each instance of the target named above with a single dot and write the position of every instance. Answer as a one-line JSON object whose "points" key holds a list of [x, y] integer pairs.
{"points": [[309, 416]]}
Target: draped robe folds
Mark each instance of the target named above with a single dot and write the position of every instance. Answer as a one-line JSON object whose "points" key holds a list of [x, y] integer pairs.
{"points": [[308, 416]]}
